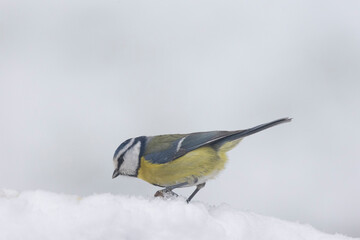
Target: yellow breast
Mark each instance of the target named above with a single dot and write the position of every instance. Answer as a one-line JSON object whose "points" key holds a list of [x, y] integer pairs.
{"points": [[204, 162]]}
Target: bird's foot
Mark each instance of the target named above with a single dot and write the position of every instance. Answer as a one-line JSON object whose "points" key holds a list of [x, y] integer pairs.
{"points": [[166, 194]]}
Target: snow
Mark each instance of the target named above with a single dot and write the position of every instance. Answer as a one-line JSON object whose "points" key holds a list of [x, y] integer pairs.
{"points": [[46, 215]]}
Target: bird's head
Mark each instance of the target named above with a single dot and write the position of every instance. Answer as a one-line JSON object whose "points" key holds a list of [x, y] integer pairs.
{"points": [[127, 157]]}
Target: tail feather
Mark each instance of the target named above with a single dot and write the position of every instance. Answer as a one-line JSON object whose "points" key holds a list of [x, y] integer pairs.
{"points": [[250, 131], [247, 132]]}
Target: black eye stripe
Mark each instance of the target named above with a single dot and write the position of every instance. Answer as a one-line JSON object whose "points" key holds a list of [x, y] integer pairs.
{"points": [[121, 157], [120, 160], [142, 140]]}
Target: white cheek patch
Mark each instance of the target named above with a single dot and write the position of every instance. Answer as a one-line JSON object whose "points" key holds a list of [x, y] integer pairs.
{"points": [[122, 151], [131, 160]]}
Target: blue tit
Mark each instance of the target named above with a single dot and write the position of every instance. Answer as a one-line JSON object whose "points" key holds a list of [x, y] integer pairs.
{"points": [[180, 160]]}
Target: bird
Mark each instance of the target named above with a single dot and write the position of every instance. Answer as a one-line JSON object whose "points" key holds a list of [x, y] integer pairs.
{"points": [[180, 160]]}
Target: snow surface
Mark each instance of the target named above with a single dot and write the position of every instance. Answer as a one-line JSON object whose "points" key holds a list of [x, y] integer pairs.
{"points": [[47, 215]]}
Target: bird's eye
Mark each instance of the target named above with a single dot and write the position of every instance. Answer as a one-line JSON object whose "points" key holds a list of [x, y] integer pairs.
{"points": [[120, 161]]}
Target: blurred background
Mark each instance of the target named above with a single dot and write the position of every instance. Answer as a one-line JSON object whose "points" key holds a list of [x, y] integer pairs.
{"points": [[79, 77]]}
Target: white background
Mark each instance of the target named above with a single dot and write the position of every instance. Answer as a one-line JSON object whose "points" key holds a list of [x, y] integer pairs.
{"points": [[79, 77]]}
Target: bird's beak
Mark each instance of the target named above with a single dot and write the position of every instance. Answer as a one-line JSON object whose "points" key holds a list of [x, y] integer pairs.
{"points": [[116, 173]]}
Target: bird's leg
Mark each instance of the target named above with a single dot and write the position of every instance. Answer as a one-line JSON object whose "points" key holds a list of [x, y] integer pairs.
{"points": [[198, 187], [167, 192]]}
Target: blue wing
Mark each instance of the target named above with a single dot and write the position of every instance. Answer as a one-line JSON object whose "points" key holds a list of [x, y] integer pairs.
{"points": [[197, 140], [166, 148]]}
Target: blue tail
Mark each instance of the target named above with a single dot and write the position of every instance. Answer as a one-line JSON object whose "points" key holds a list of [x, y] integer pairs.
{"points": [[248, 132]]}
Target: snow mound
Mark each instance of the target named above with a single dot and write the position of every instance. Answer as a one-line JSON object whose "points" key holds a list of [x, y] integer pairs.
{"points": [[46, 215]]}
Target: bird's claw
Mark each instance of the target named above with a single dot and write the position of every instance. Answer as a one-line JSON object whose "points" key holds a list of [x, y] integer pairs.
{"points": [[166, 194]]}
